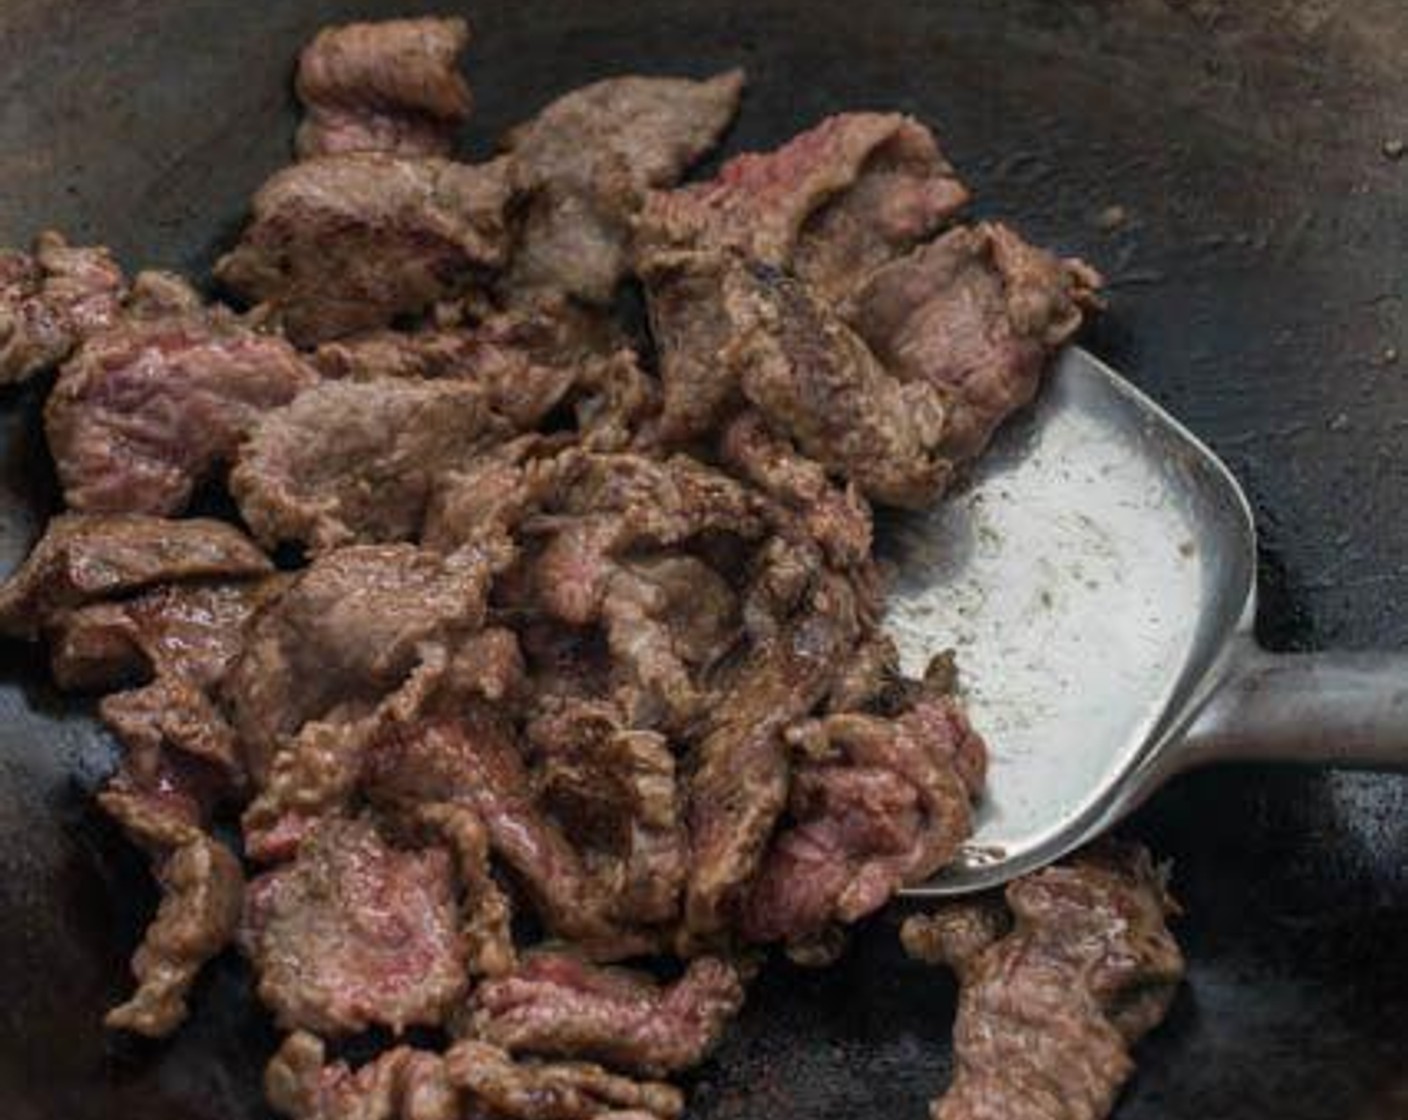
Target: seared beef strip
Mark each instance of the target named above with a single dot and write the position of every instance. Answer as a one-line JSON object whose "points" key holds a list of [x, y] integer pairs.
{"points": [[356, 462], [51, 300], [976, 314], [804, 625], [816, 382], [838, 519], [855, 191], [471, 1080], [202, 889], [85, 557], [585, 163], [1049, 1011], [355, 932], [189, 630], [148, 408], [880, 804], [474, 760], [559, 1006], [350, 630], [613, 790], [345, 243], [486, 916], [392, 86]]}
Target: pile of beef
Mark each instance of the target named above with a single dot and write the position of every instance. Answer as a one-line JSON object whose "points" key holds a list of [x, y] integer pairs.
{"points": [[581, 660]]}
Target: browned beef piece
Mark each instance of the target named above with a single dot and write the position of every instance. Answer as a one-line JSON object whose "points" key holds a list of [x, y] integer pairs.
{"points": [[837, 518], [880, 804], [613, 789], [511, 1090], [392, 86], [473, 1079], [1049, 1011], [814, 381], [486, 916], [51, 300], [161, 802], [85, 557], [356, 462], [174, 713], [202, 890], [355, 932], [318, 771], [804, 625], [149, 408], [340, 244], [835, 202], [190, 630], [600, 507], [585, 164], [976, 314], [350, 629], [559, 1006], [473, 759], [481, 505]]}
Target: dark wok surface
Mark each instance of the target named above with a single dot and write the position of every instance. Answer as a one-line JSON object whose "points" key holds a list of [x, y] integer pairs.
{"points": [[1259, 291]]}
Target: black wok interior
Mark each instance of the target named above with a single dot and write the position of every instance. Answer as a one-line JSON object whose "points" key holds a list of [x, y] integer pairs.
{"points": [[1259, 282]]}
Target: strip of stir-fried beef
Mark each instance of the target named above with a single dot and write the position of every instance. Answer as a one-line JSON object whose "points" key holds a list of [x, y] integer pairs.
{"points": [[355, 932], [876, 804], [162, 800], [803, 624], [585, 163], [976, 315], [87, 557], [482, 505], [392, 86], [347, 243], [320, 770], [816, 382], [836, 517], [474, 759], [857, 190], [613, 791], [357, 462], [149, 407], [472, 1079], [51, 300], [1056, 987], [349, 630], [557, 1005], [486, 915], [189, 630]]}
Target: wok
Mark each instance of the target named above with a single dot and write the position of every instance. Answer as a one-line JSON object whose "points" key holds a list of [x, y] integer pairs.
{"points": [[1225, 164]]}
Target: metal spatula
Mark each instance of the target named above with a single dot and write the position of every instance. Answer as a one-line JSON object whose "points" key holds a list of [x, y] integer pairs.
{"points": [[1097, 580]]}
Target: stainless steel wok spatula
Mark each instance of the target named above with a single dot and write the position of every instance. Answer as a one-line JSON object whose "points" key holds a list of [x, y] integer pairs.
{"points": [[1097, 580]]}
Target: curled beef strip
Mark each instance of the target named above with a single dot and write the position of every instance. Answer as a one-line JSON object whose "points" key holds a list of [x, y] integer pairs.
{"points": [[149, 407], [558, 1006], [834, 202], [85, 557], [356, 462], [879, 804], [472, 1079], [815, 381], [613, 790], [354, 932], [1048, 1011], [837, 518], [392, 86], [486, 916], [349, 631], [473, 759], [51, 300], [585, 163], [804, 624], [161, 802], [340, 244], [975, 314]]}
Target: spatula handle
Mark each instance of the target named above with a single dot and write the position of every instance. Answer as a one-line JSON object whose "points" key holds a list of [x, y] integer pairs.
{"points": [[1330, 709]]}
